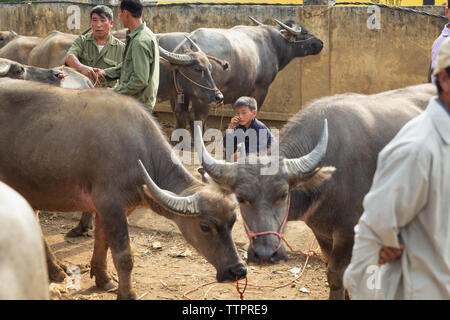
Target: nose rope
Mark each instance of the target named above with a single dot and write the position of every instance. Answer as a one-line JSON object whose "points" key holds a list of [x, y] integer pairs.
{"points": [[196, 83], [297, 41], [251, 235], [241, 292]]}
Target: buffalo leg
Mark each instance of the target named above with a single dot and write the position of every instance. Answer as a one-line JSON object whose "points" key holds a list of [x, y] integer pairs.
{"points": [[199, 112], [56, 269], [338, 261], [181, 112], [84, 225], [326, 245], [114, 223], [99, 267]]}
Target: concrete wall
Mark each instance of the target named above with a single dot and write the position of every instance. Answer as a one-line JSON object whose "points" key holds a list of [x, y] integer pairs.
{"points": [[355, 57]]}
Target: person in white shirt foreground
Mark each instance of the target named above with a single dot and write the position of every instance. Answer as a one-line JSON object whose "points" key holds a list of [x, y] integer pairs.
{"points": [[402, 240]]}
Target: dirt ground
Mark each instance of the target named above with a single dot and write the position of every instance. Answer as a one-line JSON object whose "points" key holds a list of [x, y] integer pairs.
{"points": [[166, 266]]}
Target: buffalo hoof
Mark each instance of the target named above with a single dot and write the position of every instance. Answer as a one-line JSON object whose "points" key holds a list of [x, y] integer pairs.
{"points": [[57, 274], [77, 232], [130, 295], [337, 294], [109, 286]]}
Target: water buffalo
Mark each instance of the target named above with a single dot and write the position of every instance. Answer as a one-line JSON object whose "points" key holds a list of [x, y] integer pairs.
{"points": [[16, 70], [6, 36], [64, 78], [324, 187], [51, 51], [23, 272], [93, 166], [193, 68], [19, 48], [255, 54]]}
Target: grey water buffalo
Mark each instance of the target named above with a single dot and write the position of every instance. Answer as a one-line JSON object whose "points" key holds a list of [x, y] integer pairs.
{"points": [[6, 36], [64, 78], [23, 271], [16, 70], [78, 150], [255, 55], [323, 187], [190, 73], [19, 48]]}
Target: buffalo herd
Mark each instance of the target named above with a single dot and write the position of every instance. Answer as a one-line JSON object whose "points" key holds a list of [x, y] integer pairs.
{"points": [[116, 158]]}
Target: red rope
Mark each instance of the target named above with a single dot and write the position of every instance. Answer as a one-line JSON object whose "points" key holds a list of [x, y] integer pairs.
{"points": [[241, 293], [309, 254], [252, 235]]}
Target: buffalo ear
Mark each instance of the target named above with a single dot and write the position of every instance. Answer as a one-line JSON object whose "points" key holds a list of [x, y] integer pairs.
{"points": [[313, 181], [205, 177]]}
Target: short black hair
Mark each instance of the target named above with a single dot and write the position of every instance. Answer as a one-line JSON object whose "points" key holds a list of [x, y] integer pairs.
{"points": [[246, 102], [134, 7], [438, 85], [103, 11]]}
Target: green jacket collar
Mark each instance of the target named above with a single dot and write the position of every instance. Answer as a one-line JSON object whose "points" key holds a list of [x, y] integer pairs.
{"points": [[90, 37], [132, 34]]}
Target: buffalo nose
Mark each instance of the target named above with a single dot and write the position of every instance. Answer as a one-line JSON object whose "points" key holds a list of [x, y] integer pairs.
{"points": [[218, 96], [317, 46], [265, 255], [58, 74], [239, 271]]}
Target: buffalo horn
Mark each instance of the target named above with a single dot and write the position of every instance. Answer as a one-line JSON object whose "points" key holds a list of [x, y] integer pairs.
{"points": [[256, 21], [298, 167], [185, 206], [196, 47], [176, 58], [4, 67], [220, 171], [291, 30]]}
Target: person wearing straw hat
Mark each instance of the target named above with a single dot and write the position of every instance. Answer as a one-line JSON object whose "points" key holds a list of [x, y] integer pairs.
{"points": [[402, 240]]}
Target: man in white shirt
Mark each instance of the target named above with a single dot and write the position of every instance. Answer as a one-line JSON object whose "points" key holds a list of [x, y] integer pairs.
{"points": [[402, 240]]}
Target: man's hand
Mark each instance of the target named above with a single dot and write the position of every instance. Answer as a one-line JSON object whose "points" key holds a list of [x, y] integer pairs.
{"points": [[387, 254], [100, 72], [87, 71]]}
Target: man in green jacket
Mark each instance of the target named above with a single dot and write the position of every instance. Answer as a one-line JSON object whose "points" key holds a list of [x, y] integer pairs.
{"points": [[97, 49], [139, 72]]}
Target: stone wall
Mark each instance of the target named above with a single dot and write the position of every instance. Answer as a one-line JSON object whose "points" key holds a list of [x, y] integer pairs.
{"points": [[366, 49]]}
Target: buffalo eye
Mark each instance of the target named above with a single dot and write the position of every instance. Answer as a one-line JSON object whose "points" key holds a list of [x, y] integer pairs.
{"points": [[205, 228], [284, 196], [240, 200]]}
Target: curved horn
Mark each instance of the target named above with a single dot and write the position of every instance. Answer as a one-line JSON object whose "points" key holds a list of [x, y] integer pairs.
{"points": [[196, 47], [86, 31], [4, 67], [185, 206], [220, 171], [309, 162], [256, 21], [291, 30], [176, 58]]}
